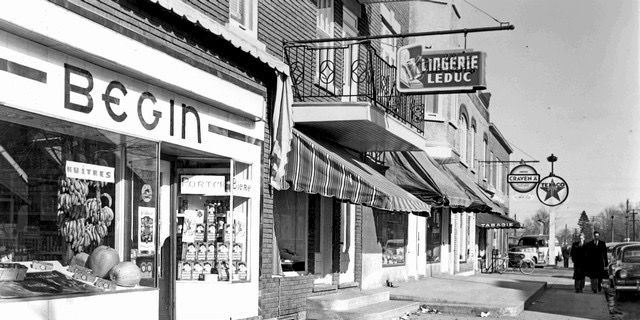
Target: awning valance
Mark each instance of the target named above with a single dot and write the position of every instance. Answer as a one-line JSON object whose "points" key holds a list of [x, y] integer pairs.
{"points": [[496, 221], [316, 166], [485, 204], [196, 17], [417, 173]]}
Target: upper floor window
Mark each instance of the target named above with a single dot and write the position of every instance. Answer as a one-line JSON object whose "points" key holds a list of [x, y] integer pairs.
{"points": [[463, 138], [472, 145], [498, 184], [492, 172], [389, 46], [485, 147], [325, 19], [243, 14], [325, 58]]}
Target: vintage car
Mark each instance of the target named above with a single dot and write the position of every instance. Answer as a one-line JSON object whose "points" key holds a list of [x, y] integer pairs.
{"points": [[624, 272], [614, 247], [534, 247]]}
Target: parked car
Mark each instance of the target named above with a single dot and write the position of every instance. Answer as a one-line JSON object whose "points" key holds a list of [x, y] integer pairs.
{"points": [[614, 247], [534, 247], [624, 272]]}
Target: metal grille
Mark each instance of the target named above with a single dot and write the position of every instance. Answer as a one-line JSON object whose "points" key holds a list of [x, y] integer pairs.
{"points": [[336, 71]]}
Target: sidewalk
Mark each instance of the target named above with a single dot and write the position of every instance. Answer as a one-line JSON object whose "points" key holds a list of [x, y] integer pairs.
{"points": [[506, 295]]}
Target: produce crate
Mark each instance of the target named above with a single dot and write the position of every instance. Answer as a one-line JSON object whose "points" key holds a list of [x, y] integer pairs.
{"points": [[12, 272]]}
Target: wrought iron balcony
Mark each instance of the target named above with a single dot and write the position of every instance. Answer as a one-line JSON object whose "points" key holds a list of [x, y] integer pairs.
{"points": [[354, 72]]}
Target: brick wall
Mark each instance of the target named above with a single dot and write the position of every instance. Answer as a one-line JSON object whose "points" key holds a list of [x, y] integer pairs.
{"points": [[161, 29]]}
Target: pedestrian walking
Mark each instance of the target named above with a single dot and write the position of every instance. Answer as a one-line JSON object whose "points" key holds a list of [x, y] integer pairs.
{"points": [[579, 257], [566, 249], [597, 262]]}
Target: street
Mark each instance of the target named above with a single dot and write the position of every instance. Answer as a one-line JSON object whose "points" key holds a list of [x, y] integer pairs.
{"points": [[558, 300]]}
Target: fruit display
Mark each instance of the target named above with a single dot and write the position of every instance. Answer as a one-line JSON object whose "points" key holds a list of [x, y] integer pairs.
{"points": [[101, 260], [126, 274], [83, 216], [79, 259]]}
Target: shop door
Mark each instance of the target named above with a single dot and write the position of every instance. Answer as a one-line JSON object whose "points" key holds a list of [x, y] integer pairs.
{"points": [[323, 239], [421, 245], [166, 273], [347, 242]]}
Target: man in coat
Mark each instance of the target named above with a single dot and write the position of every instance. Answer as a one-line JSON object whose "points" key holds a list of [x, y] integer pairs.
{"points": [[579, 257], [597, 262], [566, 252]]}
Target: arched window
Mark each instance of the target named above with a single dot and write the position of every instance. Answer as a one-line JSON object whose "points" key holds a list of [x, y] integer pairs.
{"points": [[472, 145], [464, 131], [485, 154]]}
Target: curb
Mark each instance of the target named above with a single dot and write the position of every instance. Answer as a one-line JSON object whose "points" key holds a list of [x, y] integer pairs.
{"points": [[535, 295], [461, 308]]}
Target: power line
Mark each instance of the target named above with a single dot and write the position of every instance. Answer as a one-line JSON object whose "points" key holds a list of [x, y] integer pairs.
{"points": [[496, 20]]}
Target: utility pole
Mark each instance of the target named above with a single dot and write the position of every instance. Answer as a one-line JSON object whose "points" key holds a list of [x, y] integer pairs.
{"points": [[633, 225], [612, 227], [626, 221]]}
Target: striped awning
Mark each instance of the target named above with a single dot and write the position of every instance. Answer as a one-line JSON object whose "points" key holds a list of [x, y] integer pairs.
{"points": [[417, 173], [483, 203], [316, 166]]}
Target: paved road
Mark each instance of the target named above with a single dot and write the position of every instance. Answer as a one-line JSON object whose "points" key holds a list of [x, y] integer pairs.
{"points": [[625, 308]]}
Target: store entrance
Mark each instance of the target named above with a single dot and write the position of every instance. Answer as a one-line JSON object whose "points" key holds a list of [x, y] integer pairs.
{"points": [[167, 248], [347, 242]]}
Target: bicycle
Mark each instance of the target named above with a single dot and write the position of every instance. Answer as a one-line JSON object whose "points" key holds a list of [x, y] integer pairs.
{"points": [[524, 265], [498, 264]]}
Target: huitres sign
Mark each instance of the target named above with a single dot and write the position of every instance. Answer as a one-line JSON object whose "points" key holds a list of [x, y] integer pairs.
{"points": [[422, 71]]}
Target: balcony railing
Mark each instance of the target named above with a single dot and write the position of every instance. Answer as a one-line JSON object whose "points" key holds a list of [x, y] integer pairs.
{"points": [[331, 71]]}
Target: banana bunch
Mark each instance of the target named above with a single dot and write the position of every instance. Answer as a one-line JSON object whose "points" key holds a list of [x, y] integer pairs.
{"points": [[83, 221]]}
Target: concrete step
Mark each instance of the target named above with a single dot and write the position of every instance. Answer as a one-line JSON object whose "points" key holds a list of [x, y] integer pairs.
{"points": [[385, 310], [347, 300]]}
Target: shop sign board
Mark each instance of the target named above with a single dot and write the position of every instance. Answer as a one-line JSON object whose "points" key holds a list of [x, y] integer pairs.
{"points": [[423, 71], [523, 178], [242, 187], [210, 185], [552, 190], [87, 171], [497, 225], [60, 86]]}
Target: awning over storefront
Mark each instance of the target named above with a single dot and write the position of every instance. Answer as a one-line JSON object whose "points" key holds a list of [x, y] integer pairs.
{"points": [[496, 221], [189, 12], [472, 187], [315, 166], [417, 173]]}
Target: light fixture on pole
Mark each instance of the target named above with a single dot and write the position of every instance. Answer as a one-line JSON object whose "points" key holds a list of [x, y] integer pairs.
{"points": [[612, 228]]}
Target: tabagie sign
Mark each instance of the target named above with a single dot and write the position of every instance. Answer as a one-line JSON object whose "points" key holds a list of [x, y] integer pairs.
{"points": [[423, 71]]}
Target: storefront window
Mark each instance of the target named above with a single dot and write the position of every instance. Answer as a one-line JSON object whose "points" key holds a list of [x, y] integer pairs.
{"points": [[391, 229], [434, 236], [142, 171], [212, 220], [290, 211], [61, 190]]}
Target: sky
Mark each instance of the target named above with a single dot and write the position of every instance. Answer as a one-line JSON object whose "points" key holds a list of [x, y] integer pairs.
{"points": [[565, 81]]}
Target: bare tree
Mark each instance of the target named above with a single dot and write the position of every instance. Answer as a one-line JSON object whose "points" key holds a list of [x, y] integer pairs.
{"points": [[538, 223]]}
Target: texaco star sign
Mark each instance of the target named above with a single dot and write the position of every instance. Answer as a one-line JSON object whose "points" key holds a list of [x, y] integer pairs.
{"points": [[552, 190]]}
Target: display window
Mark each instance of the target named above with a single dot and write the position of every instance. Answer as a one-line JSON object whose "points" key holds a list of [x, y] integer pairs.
{"points": [[64, 194], [290, 213], [213, 208], [391, 229], [434, 237]]}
